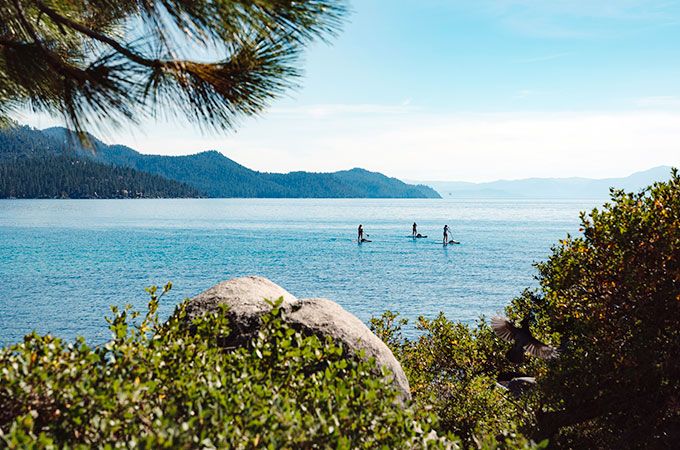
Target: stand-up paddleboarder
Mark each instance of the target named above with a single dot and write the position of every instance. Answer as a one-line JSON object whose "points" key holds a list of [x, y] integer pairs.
{"points": [[415, 230], [447, 231], [361, 233]]}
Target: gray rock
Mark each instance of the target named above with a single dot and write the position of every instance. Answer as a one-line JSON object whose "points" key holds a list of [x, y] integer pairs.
{"points": [[517, 385], [317, 316]]}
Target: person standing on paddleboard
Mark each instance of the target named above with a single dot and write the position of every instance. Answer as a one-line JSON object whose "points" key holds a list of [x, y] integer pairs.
{"points": [[361, 233], [447, 231], [415, 231]]}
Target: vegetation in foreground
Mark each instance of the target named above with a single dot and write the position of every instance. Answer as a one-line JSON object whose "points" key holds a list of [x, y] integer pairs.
{"points": [[160, 385], [611, 300]]}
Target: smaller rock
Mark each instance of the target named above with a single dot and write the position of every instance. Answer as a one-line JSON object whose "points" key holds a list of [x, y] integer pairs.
{"points": [[517, 385]]}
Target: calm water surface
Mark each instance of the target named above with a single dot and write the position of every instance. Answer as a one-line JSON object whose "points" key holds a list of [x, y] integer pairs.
{"points": [[64, 262]]}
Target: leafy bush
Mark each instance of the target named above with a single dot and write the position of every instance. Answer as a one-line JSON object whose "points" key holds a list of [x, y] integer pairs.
{"points": [[452, 369], [613, 295], [161, 385], [611, 299]]}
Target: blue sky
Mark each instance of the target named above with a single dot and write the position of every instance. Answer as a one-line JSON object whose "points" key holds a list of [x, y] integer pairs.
{"points": [[470, 91], [500, 55]]}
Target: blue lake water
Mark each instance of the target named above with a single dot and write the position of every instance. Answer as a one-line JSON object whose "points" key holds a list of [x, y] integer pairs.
{"points": [[64, 262]]}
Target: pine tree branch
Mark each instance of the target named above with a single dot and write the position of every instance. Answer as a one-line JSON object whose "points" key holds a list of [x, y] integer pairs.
{"points": [[67, 57], [131, 55], [49, 56]]}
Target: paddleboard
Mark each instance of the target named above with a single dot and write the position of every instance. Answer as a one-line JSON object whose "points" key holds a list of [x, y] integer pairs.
{"points": [[447, 243], [417, 237], [365, 240]]}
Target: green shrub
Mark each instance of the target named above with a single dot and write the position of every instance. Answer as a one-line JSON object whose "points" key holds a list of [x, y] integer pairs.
{"points": [[452, 370], [611, 300], [160, 385], [613, 296]]}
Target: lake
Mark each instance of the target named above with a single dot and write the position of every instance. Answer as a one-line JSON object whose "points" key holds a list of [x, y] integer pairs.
{"points": [[64, 262]]}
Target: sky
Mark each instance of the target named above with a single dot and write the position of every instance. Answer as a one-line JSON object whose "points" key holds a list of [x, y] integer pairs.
{"points": [[474, 90]]}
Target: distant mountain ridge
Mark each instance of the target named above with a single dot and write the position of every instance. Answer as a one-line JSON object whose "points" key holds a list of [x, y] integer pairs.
{"points": [[549, 188], [214, 174]]}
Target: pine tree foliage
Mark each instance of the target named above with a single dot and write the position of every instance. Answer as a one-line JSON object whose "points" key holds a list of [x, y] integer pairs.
{"points": [[111, 62]]}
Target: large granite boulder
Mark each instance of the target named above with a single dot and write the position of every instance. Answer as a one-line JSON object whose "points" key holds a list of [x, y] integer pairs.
{"points": [[318, 316]]}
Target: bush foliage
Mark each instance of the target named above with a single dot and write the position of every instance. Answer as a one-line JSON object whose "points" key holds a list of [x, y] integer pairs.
{"points": [[453, 369], [611, 300], [614, 296], [159, 385]]}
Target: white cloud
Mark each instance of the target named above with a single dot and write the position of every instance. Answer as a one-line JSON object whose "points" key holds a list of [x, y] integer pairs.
{"points": [[474, 147], [611, 9], [524, 93], [660, 101], [36, 120], [488, 147], [418, 145], [581, 18], [335, 110]]}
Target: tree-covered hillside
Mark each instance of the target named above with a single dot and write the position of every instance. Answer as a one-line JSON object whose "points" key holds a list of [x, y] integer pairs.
{"points": [[20, 142], [211, 172], [69, 177], [379, 185]]}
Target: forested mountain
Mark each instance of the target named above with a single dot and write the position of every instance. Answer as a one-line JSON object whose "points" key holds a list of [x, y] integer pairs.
{"points": [[69, 177], [216, 175], [26, 142]]}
